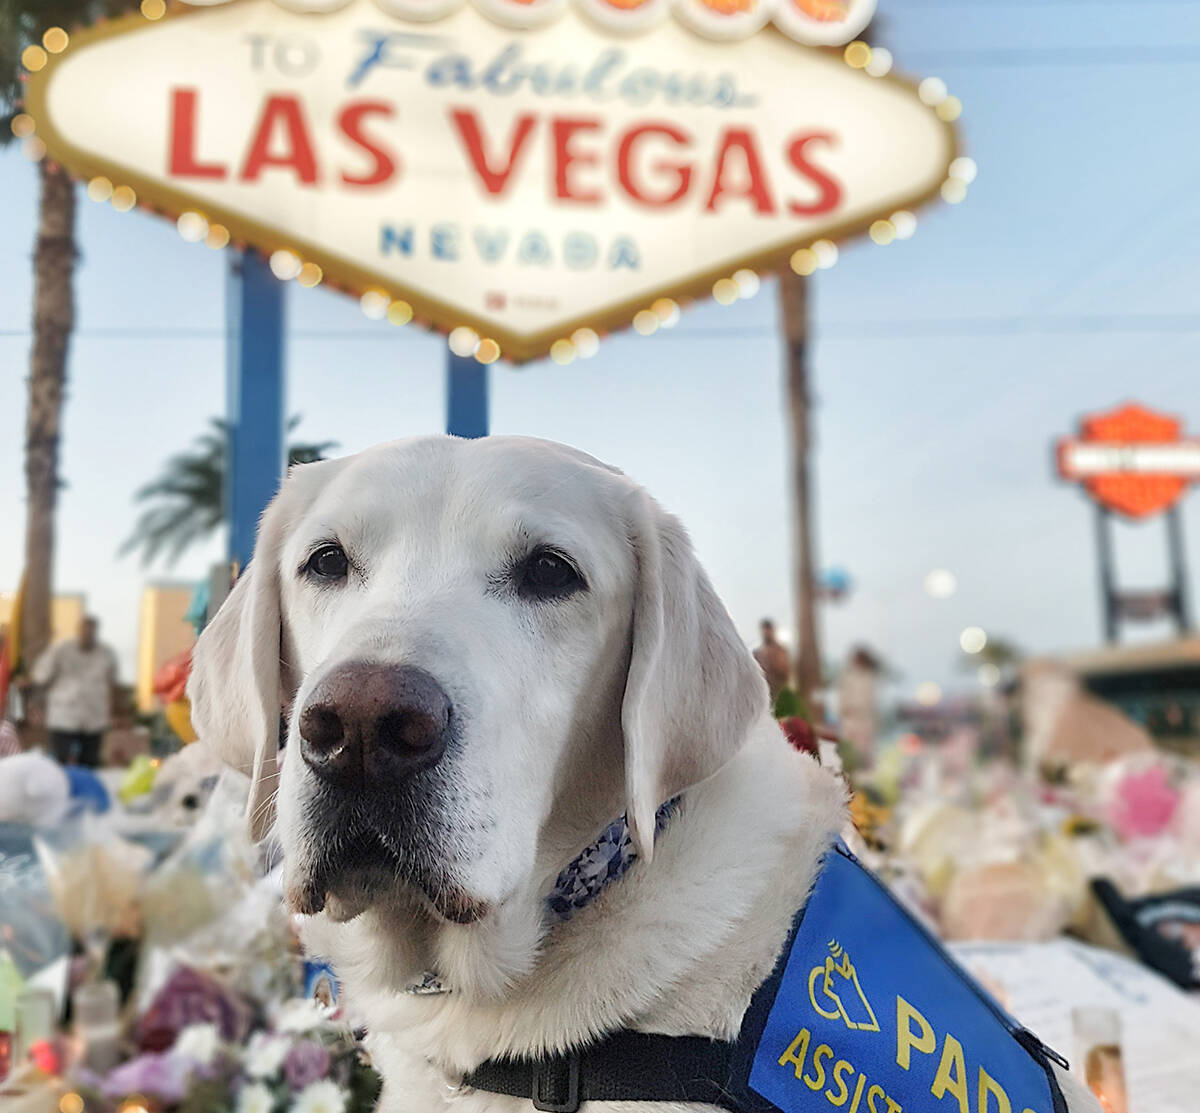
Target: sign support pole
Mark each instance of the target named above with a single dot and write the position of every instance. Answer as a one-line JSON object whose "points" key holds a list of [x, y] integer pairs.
{"points": [[1179, 593], [466, 397], [256, 454], [1108, 591]]}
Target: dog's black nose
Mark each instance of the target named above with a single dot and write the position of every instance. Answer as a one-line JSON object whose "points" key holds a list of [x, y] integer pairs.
{"points": [[366, 721]]}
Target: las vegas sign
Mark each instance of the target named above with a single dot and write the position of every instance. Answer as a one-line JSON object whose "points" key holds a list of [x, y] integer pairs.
{"points": [[525, 168]]}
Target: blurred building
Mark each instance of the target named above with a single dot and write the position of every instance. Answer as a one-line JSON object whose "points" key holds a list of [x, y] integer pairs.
{"points": [[65, 612], [163, 632]]}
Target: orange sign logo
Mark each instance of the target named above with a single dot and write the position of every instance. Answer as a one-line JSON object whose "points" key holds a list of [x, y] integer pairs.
{"points": [[1131, 460]]}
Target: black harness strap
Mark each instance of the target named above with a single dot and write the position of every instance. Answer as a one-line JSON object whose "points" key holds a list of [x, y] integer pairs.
{"points": [[626, 1066]]}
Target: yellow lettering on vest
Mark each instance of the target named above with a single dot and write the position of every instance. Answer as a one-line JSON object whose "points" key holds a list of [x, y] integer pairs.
{"points": [[952, 1074], [862, 1078], [892, 1106], [906, 1038], [824, 1051], [839, 1069], [796, 1051], [871, 1093], [988, 1085]]}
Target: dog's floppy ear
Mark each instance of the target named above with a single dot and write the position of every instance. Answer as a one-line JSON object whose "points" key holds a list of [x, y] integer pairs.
{"points": [[235, 685], [693, 688]]}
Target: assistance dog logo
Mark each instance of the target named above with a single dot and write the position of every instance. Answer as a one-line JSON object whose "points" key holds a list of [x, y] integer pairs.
{"points": [[835, 992]]}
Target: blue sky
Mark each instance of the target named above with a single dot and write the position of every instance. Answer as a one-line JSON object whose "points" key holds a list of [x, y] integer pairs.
{"points": [[943, 367]]}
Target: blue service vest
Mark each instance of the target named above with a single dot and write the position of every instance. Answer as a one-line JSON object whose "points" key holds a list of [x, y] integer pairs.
{"points": [[864, 1012], [871, 1015]]}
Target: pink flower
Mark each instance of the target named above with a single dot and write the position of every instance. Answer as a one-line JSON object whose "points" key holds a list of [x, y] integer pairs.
{"points": [[1143, 803]]}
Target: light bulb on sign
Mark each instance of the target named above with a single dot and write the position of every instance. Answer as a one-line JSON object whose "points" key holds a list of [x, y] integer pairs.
{"points": [[55, 40], [124, 198], [217, 238], [667, 312], [562, 352], [400, 312], [964, 169], [586, 342], [192, 227], [33, 58], [826, 252], [804, 261], [285, 265], [645, 321], [905, 224], [880, 64], [22, 125], [954, 191], [748, 282], [932, 91], [99, 189], [374, 304], [883, 232], [949, 109], [857, 55], [725, 291], [463, 341], [488, 351]]}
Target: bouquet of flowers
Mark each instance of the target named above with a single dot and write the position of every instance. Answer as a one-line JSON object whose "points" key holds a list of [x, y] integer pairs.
{"points": [[199, 1055]]}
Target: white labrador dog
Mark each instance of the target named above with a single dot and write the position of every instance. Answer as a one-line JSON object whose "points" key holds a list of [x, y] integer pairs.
{"points": [[486, 651]]}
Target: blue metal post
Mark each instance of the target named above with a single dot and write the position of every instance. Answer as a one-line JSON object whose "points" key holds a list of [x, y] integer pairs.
{"points": [[466, 397], [255, 398]]}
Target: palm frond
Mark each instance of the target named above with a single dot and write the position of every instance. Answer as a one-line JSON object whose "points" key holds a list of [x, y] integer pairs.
{"points": [[184, 503]]}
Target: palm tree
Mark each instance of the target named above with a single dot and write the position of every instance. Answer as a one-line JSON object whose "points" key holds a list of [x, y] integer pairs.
{"points": [[23, 22], [186, 501]]}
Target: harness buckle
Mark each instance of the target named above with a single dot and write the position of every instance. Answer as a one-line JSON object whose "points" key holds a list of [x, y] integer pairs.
{"points": [[555, 1084]]}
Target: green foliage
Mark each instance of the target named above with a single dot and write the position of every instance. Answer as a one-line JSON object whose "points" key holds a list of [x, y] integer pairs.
{"points": [[185, 503], [789, 704]]}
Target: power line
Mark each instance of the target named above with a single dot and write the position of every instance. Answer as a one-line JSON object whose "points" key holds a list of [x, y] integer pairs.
{"points": [[930, 327]]}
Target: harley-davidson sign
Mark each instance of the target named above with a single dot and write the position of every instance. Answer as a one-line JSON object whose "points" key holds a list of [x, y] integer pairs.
{"points": [[1131, 460], [524, 167]]}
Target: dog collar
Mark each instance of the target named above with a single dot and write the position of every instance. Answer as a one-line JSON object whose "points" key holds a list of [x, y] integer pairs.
{"points": [[600, 864]]}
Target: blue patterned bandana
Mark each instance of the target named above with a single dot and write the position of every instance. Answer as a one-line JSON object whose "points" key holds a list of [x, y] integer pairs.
{"points": [[593, 870], [600, 864]]}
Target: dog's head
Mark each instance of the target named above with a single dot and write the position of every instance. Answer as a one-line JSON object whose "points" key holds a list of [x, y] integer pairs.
{"points": [[482, 650]]}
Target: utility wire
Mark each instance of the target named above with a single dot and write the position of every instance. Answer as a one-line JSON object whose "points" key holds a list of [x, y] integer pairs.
{"points": [[1181, 323]]}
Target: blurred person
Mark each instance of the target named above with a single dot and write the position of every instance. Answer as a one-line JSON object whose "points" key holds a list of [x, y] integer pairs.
{"points": [[772, 658], [858, 702], [79, 677]]}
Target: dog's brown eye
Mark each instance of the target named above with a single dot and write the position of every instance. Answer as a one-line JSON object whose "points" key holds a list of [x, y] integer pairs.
{"points": [[548, 575], [329, 562]]}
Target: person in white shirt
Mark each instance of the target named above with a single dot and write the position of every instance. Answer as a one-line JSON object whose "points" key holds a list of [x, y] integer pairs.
{"points": [[79, 677]]}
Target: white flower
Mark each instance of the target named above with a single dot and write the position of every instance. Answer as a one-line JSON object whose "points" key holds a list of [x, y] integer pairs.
{"points": [[199, 1043], [320, 1097], [255, 1098], [302, 1014], [265, 1055]]}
